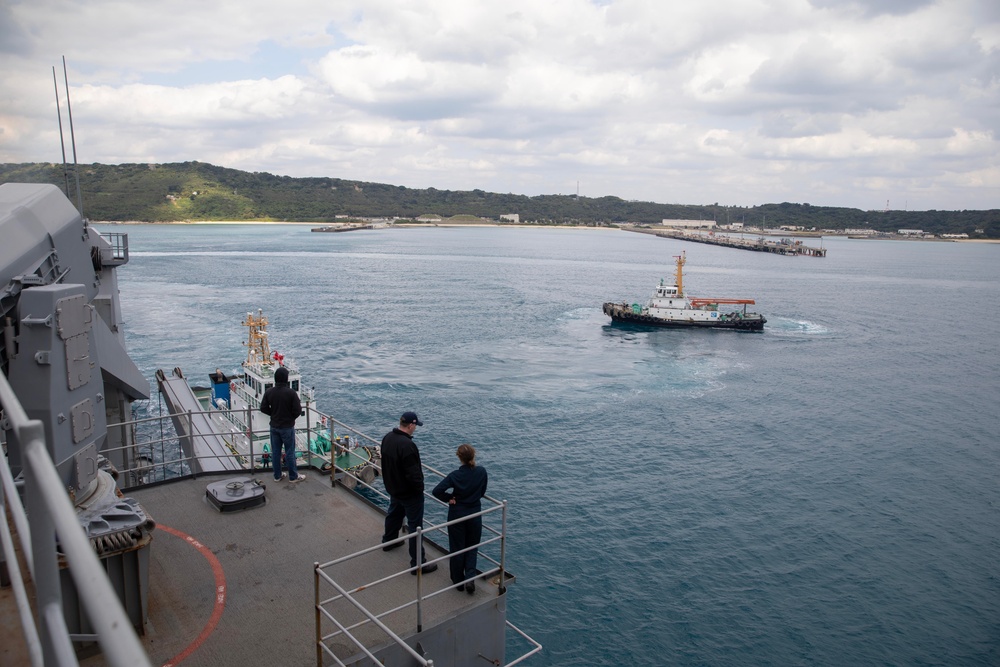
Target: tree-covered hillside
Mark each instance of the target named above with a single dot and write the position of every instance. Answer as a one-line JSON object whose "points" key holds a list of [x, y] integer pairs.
{"points": [[199, 191]]}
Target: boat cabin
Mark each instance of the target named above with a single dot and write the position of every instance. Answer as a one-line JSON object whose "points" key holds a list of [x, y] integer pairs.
{"points": [[666, 291]]}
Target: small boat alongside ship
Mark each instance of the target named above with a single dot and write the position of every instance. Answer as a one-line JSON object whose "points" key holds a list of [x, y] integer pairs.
{"points": [[235, 434], [670, 307]]}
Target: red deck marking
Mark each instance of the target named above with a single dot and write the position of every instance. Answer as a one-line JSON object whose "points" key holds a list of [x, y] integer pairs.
{"points": [[220, 594]]}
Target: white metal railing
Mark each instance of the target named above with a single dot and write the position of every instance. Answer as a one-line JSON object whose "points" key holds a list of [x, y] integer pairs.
{"points": [[322, 576], [47, 638], [173, 462]]}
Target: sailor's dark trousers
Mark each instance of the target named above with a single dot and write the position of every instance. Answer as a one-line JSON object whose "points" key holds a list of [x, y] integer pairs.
{"points": [[412, 508]]}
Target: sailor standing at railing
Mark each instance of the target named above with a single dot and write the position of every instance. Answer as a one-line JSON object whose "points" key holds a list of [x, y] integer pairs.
{"points": [[463, 490], [282, 403], [403, 476]]}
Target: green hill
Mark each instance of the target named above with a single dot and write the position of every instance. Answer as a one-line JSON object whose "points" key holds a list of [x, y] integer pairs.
{"points": [[200, 191]]}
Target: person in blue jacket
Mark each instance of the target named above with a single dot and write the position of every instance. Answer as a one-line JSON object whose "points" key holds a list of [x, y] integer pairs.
{"points": [[463, 490]]}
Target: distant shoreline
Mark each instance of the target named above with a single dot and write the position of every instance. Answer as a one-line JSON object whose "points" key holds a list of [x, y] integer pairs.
{"points": [[418, 225]]}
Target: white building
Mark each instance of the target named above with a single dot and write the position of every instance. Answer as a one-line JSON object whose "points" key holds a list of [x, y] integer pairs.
{"points": [[510, 217]]}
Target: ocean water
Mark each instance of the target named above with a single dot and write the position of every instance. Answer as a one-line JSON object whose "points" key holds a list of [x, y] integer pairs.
{"points": [[823, 493]]}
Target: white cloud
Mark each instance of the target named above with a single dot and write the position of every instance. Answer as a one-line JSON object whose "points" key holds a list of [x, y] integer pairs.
{"points": [[750, 101]]}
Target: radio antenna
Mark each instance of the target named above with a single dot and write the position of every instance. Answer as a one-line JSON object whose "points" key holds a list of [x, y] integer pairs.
{"points": [[72, 138], [62, 142]]}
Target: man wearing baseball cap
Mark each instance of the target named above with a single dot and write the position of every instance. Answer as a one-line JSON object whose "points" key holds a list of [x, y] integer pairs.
{"points": [[403, 476]]}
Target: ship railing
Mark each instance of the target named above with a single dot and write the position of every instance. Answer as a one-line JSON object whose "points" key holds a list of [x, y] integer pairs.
{"points": [[429, 473], [116, 253], [324, 574], [365, 439], [158, 450], [155, 456], [493, 536], [54, 526]]}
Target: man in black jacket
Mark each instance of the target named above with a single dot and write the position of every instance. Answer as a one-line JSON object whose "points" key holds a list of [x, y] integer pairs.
{"points": [[404, 481], [282, 403]]}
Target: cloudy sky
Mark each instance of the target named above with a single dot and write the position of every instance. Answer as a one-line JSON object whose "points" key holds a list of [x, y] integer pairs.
{"points": [[840, 103]]}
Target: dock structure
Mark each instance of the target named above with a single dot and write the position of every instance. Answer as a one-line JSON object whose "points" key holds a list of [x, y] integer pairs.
{"points": [[347, 227], [760, 244]]}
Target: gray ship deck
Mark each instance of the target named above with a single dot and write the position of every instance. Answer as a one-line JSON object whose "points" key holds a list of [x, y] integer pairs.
{"points": [[266, 556]]}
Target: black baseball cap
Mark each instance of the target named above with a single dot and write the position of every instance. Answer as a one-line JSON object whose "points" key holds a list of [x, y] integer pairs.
{"points": [[410, 418]]}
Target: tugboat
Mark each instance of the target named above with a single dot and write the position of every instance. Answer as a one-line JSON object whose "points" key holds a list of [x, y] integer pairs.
{"points": [[669, 307]]}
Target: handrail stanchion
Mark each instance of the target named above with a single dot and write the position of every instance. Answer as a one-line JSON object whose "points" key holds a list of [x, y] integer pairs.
{"points": [[43, 547], [249, 423], [253, 461], [17, 578], [190, 439], [309, 430], [420, 577], [501, 589], [319, 634]]}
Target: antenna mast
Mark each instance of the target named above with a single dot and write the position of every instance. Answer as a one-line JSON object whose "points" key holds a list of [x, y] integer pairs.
{"points": [[679, 273], [72, 137], [62, 142]]}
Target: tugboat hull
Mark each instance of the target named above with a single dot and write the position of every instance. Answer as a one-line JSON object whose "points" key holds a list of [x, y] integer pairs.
{"points": [[624, 315]]}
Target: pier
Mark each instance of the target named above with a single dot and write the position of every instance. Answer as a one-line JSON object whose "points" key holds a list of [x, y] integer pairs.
{"points": [[347, 227], [783, 247]]}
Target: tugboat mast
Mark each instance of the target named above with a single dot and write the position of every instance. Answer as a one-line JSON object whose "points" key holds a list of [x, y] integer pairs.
{"points": [[258, 351], [679, 274]]}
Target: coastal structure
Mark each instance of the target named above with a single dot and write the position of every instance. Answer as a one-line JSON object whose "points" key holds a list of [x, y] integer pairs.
{"points": [[689, 224], [785, 246], [350, 226]]}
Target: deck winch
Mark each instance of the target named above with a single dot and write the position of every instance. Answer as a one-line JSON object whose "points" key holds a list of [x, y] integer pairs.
{"points": [[236, 493]]}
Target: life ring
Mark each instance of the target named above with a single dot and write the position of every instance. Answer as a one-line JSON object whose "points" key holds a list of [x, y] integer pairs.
{"points": [[232, 386]]}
